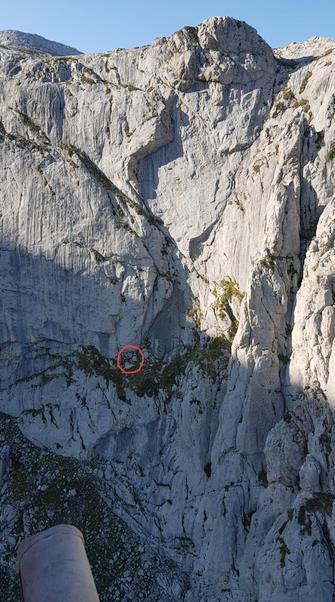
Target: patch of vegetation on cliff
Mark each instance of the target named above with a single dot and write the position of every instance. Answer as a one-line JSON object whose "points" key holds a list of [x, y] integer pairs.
{"points": [[191, 34], [305, 82], [257, 168], [230, 289], [235, 200], [283, 551], [304, 521], [211, 358], [267, 263], [131, 87], [195, 315], [321, 502], [330, 156], [325, 54], [93, 363], [325, 442], [155, 379], [279, 108], [263, 478], [30, 124], [87, 80], [304, 105], [226, 290], [288, 94]]}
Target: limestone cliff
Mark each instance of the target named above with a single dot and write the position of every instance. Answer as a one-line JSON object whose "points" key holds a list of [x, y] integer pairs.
{"points": [[180, 197]]}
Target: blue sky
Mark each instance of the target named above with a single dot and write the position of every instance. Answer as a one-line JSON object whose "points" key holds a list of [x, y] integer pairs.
{"points": [[94, 25]]}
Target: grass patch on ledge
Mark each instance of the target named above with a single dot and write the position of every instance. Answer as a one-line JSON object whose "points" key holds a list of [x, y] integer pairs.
{"points": [[279, 108], [288, 94], [155, 379], [211, 358], [303, 104], [31, 125], [305, 82], [87, 80], [131, 88]]}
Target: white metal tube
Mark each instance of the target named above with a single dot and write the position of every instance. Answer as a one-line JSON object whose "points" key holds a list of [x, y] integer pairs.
{"points": [[53, 567]]}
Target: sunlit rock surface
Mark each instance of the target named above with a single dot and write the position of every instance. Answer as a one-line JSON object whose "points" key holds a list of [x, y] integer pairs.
{"points": [[32, 42], [179, 197]]}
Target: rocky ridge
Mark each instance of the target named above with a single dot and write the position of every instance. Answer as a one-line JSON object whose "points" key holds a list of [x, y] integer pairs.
{"points": [[28, 41], [179, 196]]}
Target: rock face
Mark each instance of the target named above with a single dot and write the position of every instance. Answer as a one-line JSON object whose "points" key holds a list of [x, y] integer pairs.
{"points": [[179, 197]]}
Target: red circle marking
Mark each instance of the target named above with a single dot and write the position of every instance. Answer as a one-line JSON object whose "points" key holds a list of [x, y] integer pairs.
{"points": [[124, 348]]}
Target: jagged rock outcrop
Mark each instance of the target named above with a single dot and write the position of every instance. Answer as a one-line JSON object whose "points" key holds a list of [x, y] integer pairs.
{"points": [[178, 196]]}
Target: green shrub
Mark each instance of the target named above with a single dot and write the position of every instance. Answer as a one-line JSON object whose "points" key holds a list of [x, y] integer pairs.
{"points": [[173, 371], [288, 94], [257, 168], [330, 156], [131, 87], [279, 108], [263, 478], [305, 82], [267, 263], [87, 80], [91, 362], [229, 289], [304, 104], [283, 550], [191, 33]]}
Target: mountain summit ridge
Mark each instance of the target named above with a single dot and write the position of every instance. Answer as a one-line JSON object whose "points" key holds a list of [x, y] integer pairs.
{"points": [[37, 42], [13, 37]]}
